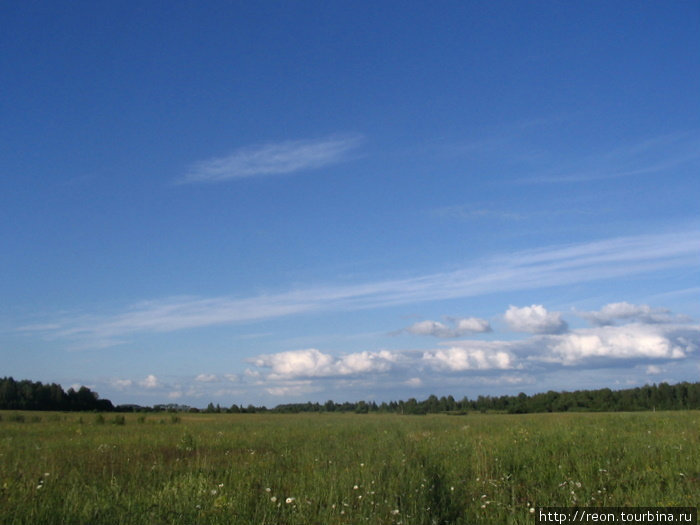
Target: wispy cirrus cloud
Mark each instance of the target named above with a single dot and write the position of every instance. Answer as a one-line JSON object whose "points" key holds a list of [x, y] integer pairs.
{"points": [[274, 159], [650, 156], [524, 270]]}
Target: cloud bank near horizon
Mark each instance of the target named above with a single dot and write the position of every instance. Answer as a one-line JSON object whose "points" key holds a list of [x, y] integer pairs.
{"points": [[648, 344]]}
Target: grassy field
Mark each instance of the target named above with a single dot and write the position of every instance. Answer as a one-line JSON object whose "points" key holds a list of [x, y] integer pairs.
{"points": [[339, 468]]}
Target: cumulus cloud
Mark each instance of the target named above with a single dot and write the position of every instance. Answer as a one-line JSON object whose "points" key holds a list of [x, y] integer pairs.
{"points": [[461, 326], [122, 383], [535, 319], [314, 363], [631, 341], [150, 381], [471, 325], [274, 158], [623, 311], [471, 355], [414, 382]]}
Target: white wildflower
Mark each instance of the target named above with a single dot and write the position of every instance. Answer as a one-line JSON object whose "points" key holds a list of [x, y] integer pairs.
{"points": [[289, 500]]}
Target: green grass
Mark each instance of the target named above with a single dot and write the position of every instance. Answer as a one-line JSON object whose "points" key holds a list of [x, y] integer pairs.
{"points": [[339, 468]]}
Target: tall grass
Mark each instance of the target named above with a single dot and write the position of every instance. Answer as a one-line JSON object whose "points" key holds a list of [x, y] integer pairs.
{"points": [[341, 468]]}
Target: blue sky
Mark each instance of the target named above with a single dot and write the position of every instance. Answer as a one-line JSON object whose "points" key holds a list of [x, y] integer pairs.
{"points": [[249, 202]]}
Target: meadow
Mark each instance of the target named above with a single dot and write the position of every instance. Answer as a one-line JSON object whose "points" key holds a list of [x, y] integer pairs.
{"points": [[328, 468]]}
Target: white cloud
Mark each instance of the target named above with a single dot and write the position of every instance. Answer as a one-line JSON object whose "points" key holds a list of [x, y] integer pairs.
{"points": [[414, 382], [292, 389], [314, 363], [461, 327], [631, 341], [150, 381], [122, 383], [535, 319], [365, 362], [472, 325], [434, 328], [625, 311], [471, 355], [274, 158], [653, 370], [297, 363], [206, 378], [174, 394]]}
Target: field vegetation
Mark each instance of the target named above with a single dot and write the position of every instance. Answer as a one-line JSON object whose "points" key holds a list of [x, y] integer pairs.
{"points": [[112, 468]]}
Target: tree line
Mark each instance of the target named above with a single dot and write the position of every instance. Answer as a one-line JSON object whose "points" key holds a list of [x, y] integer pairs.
{"points": [[28, 395], [663, 396], [33, 395]]}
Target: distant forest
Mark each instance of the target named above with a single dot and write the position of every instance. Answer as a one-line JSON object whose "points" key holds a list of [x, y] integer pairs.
{"points": [[28, 395]]}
